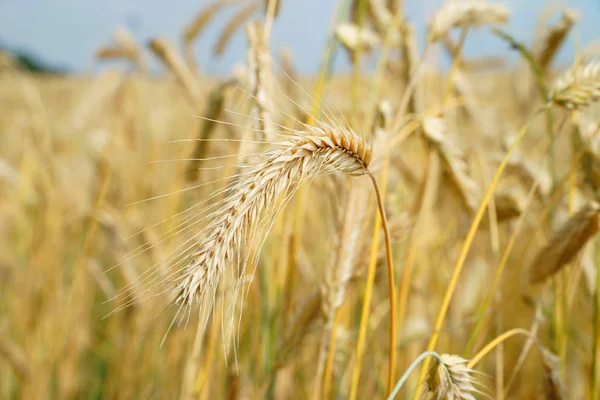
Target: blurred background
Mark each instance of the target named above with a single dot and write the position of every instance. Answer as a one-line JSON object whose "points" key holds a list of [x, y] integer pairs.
{"points": [[46, 30], [118, 117]]}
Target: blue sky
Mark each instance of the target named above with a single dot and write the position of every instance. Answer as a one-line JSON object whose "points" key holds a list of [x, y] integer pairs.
{"points": [[67, 32]]}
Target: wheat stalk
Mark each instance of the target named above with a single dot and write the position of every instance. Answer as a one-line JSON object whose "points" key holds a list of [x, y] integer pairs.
{"points": [[259, 74], [564, 245], [464, 14], [578, 87]]}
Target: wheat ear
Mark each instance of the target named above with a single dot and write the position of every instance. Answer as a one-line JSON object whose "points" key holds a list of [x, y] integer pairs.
{"points": [[564, 245], [578, 87], [465, 14], [232, 26], [171, 58], [449, 378], [554, 38], [258, 196]]}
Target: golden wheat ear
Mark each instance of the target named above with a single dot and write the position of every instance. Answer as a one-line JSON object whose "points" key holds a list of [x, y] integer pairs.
{"points": [[578, 87], [457, 14], [565, 243], [449, 378]]}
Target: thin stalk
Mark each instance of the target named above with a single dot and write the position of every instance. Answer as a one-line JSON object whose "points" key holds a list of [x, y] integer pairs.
{"points": [[356, 54], [467, 245], [404, 289], [366, 308], [503, 261], [410, 369], [491, 345], [455, 64], [391, 284], [380, 70], [330, 355]]}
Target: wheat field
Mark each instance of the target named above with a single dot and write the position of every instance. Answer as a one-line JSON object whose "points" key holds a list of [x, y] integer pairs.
{"points": [[405, 231]]}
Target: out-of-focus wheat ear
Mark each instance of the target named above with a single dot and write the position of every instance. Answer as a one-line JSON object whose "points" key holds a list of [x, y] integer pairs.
{"points": [[565, 243], [353, 37], [186, 78], [554, 387], [578, 87], [435, 132], [112, 52], [449, 378], [234, 24], [410, 57], [259, 76], [125, 39], [125, 48], [212, 114], [380, 15], [193, 30], [467, 13], [554, 38]]}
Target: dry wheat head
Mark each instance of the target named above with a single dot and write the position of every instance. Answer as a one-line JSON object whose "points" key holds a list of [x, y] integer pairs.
{"points": [[578, 87], [564, 245], [238, 228], [449, 378], [465, 14]]}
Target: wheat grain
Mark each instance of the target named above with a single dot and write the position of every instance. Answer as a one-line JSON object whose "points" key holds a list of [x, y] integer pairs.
{"points": [[564, 245], [464, 14], [578, 87]]}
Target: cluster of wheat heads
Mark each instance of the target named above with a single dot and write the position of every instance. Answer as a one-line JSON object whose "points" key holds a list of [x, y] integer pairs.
{"points": [[234, 228], [261, 240]]}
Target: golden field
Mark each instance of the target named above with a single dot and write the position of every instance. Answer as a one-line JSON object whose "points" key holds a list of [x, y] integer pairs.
{"points": [[110, 185]]}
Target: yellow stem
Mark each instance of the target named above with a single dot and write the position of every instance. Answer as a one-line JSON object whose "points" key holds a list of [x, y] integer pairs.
{"points": [[467, 246], [491, 345], [368, 290], [391, 285], [330, 355]]}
